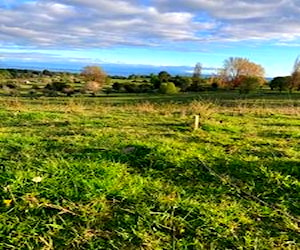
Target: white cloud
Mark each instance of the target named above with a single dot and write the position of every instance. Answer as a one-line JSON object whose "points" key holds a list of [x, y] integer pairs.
{"points": [[89, 23], [104, 23], [244, 19]]}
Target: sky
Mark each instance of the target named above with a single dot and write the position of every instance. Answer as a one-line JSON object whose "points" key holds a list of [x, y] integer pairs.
{"points": [[150, 32]]}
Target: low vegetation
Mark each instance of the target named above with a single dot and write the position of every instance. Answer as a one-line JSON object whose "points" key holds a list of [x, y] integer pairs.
{"points": [[237, 74], [130, 172]]}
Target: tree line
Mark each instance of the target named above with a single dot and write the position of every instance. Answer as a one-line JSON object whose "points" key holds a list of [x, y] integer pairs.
{"points": [[236, 74]]}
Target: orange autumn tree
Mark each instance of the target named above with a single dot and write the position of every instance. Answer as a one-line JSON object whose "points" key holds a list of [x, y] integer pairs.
{"points": [[94, 78], [236, 69]]}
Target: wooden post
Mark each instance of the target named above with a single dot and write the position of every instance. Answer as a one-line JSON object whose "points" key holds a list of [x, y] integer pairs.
{"points": [[197, 119]]}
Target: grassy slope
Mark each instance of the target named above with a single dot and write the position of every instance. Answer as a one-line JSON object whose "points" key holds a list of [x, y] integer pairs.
{"points": [[109, 173]]}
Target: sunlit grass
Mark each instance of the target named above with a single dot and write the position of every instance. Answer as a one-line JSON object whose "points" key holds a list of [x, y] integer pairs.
{"points": [[103, 173]]}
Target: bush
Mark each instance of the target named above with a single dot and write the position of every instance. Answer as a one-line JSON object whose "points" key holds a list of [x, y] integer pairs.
{"points": [[68, 90], [12, 85], [250, 83], [214, 86], [168, 88], [131, 88], [182, 82], [117, 86], [56, 86], [197, 84]]}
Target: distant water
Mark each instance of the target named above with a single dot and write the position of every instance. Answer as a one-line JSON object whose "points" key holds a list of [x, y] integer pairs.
{"points": [[110, 69]]}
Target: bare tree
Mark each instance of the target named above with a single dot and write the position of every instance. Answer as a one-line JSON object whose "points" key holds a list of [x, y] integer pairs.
{"points": [[197, 70]]}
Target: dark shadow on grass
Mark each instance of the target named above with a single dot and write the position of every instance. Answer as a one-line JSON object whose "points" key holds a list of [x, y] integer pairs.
{"points": [[178, 127], [281, 125], [278, 134], [193, 176]]}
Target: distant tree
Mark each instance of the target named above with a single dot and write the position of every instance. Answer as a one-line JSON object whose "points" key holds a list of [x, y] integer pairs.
{"points": [[196, 78], [235, 68], [133, 76], [155, 81], [295, 76], [46, 72], [164, 76], [197, 70], [280, 83], [182, 82], [93, 75]]}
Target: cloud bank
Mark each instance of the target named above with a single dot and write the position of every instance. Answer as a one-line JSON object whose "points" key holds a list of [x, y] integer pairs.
{"points": [[160, 23]]}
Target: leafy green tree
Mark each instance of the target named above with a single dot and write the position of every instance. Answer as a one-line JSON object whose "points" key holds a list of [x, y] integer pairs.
{"points": [[155, 81], [280, 83], [46, 72], [56, 86], [250, 83], [182, 82], [131, 87], [132, 77], [164, 76]]}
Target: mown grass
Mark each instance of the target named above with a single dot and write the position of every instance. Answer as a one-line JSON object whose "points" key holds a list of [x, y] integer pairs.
{"points": [[131, 173]]}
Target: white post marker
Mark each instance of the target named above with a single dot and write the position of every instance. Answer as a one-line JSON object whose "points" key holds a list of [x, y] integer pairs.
{"points": [[197, 119]]}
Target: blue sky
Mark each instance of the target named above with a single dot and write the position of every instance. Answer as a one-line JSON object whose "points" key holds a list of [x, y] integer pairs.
{"points": [[152, 32]]}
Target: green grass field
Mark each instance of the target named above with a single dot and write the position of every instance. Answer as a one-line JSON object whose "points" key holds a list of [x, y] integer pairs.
{"points": [[130, 172]]}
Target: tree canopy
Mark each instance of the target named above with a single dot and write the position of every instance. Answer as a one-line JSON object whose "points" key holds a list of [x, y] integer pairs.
{"points": [[236, 67], [280, 82], [94, 73]]}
